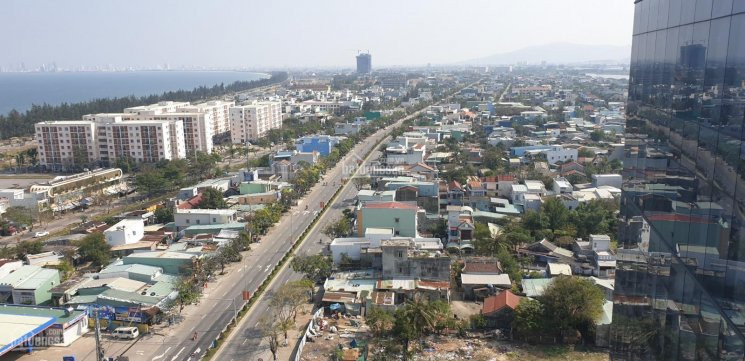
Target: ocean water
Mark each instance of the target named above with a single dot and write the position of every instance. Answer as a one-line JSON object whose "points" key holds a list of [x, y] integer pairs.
{"points": [[21, 90]]}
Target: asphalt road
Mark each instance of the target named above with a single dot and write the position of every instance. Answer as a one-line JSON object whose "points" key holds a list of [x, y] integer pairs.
{"points": [[247, 343], [223, 297]]}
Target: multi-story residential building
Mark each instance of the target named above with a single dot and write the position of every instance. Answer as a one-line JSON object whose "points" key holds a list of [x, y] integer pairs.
{"points": [[219, 110], [252, 121], [680, 265], [148, 133], [64, 144], [198, 125], [143, 140]]}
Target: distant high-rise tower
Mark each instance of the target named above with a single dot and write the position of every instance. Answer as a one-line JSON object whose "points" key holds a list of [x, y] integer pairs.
{"points": [[364, 63]]}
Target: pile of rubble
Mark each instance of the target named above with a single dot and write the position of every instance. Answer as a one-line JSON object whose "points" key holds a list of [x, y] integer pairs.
{"points": [[335, 332]]}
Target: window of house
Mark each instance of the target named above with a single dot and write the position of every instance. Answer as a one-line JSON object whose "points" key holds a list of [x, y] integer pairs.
{"points": [[396, 220], [400, 254], [198, 221], [188, 221]]}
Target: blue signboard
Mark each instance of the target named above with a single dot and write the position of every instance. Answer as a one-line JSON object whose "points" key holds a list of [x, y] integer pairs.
{"points": [[68, 358]]}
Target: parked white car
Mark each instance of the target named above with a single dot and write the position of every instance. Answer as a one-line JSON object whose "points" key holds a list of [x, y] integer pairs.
{"points": [[41, 234]]}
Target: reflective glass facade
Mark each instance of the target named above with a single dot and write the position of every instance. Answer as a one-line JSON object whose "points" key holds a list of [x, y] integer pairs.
{"points": [[680, 278]]}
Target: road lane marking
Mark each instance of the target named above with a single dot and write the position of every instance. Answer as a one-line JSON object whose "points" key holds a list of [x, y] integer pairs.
{"points": [[161, 355], [178, 353]]}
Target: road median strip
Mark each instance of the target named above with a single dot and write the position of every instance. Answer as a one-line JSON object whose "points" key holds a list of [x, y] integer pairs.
{"points": [[226, 333]]}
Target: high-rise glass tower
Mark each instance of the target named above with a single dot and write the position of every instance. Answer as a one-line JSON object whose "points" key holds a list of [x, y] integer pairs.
{"points": [[680, 277], [364, 63]]}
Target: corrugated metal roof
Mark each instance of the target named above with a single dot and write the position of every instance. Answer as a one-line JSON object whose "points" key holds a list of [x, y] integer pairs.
{"points": [[534, 287], [19, 275], [19, 327]]}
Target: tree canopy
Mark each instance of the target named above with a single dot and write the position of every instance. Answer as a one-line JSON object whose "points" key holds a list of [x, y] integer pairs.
{"points": [[212, 199], [316, 267], [94, 248], [573, 304]]}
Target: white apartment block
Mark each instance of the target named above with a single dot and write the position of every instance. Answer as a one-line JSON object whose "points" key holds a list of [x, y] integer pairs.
{"points": [[66, 143], [253, 121], [106, 138], [158, 108], [220, 111], [198, 126], [146, 141]]}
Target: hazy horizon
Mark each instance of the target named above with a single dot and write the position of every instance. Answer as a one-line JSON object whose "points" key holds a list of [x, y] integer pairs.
{"points": [[253, 34]]}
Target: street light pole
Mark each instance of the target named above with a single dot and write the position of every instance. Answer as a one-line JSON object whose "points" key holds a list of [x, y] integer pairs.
{"points": [[99, 349]]}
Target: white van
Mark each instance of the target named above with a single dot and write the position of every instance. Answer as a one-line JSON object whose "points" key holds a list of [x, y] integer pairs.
{"points": [[126, 332]]}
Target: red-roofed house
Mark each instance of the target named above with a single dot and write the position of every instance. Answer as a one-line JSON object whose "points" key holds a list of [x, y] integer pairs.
{"points": [[455, 193], [475, 188], [191, 203], [500, 309], [398, 216]]}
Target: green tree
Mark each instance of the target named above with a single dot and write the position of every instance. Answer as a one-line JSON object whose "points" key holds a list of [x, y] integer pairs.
{"points": [[597, 135], [25, 248], [212, 199], [440, 228], [340, 228], [163, 214], [65, 268], [585, 153], [510, 265], [529, 318], [483, 242], [93, 248], [20, 216], [555, 214], [188, 292], [415, 319], [595, 217], [380, 321], [316, 267], [574, 305], [151, 182]]}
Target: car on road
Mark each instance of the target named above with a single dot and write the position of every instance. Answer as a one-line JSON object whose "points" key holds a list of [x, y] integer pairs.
{"points": [[126, 332], [41, 234]]}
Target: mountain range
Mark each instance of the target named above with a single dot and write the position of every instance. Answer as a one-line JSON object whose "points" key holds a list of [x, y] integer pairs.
{"points": [[558, 53]]}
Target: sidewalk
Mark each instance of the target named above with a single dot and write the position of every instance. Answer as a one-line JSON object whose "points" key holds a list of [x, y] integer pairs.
{"points": [[287, 347]]}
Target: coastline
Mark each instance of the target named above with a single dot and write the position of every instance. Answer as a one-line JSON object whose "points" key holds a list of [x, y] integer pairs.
{"points": [[21, 88]]}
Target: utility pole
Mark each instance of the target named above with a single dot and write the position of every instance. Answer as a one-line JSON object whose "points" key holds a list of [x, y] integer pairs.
{"points": [[99, 349]]}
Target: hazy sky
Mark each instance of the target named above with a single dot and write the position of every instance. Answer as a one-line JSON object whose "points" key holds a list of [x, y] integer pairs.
{"points": [[277, 33]]}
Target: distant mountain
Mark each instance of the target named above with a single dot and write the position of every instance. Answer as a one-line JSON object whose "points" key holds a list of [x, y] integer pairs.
{"points": [[558, 53]]}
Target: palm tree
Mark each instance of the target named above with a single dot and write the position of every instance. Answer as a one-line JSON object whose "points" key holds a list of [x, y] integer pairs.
{"points": [[415, 319]]}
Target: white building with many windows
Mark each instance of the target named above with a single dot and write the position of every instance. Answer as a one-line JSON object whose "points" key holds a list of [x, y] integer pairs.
{"points": [[220, 112], [66, 143], [253, 121]]}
